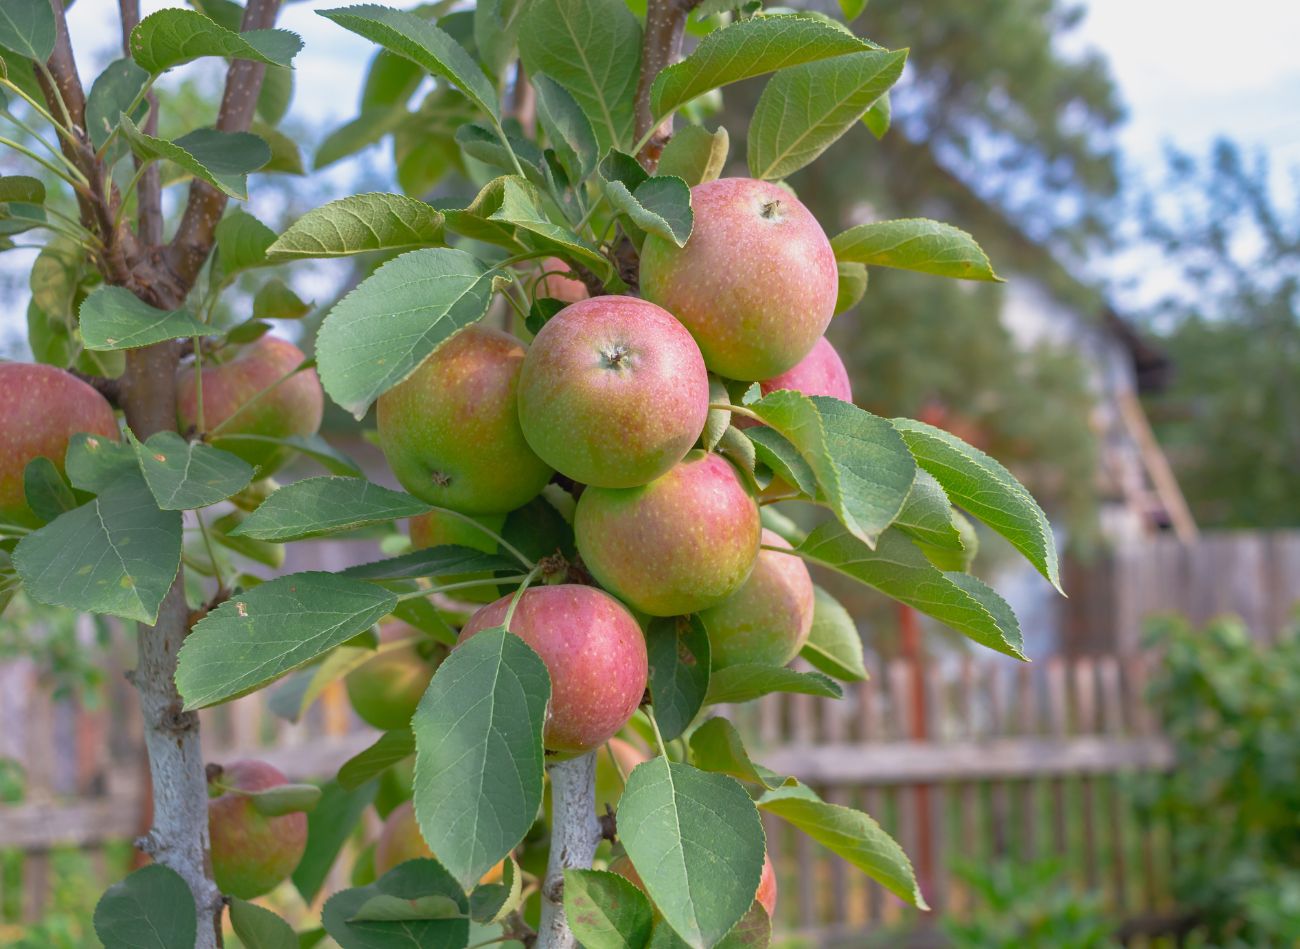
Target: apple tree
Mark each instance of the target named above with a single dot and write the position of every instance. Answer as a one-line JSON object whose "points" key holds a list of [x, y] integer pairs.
{"points": [[602, 382]]}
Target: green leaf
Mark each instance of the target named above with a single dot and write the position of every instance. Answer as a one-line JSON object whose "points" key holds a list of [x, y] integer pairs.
{"points": [[696, 842], [298, 692], [184, 476], [850, 834], [567, 128], [260, 928], [328, 828], [388, 750], [151, 909], [717, 746], [411, 906], [478, 758], [659, 205], [316, 507], [222, 159], [748, 681], [605, 911], [834, 645], [593, 49], [276, 94], [899, 570], [480, 142], [864, 472], [782, 458], [47, 494], [695, 154], [262, 633], [927, 515], [174, 36], [987, 491], [275, 300], [414, 37], [115, 318], [678, 650], [424, 297], [851, 286], [991, 601], [751, 47], [242, 242], [915, 244], [313, 446], [521, 204], [368, 128], [446, 560], [117, 554], [492, 902], [22, 188], [94, 463], [27, 27], [754, 931], [285, 799], [878, 117], [111, 94], [805, 109], [852, 9]]}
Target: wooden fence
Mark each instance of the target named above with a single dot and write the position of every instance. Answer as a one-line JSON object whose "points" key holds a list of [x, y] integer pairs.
{"points": [[978, 760]]}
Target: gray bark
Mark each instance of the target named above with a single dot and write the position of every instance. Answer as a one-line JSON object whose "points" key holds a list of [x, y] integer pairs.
{"points": [[575, 834]]}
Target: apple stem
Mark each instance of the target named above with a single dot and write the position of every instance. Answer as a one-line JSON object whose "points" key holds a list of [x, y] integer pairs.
{"points": [[575, 834], [737, 410]]}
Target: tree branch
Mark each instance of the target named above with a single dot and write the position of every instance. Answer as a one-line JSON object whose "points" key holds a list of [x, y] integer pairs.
{"points": [[148, 194], [575, 834], [661, 45], [193, 241]]}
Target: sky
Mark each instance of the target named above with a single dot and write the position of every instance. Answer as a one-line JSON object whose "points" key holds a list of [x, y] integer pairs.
{"points": [[1188, 71]]}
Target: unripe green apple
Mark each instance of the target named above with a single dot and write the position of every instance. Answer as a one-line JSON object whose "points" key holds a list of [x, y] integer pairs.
{"points": [[251, 852], [43, 408], [386, 689], [756, 282], [595, 654], [438, 528], [613, 392], [558, 285], [768, 619], [684, 542], [231, 400], [451, 432], [400, 841]]}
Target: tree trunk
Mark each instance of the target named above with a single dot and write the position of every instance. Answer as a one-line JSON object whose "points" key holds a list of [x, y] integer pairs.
{"points": [[575, 834]]}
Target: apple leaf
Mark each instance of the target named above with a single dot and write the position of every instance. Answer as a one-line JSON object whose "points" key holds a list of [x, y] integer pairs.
{"points": [[314, 447], [259, 634], [115, 318], [898, 569], [151, 909], [171, 37], [568, 130], [751, 47], [388, 750], [445, 560], [678, 651], [593, 49], [805, 109], [986, 490], [410, 35], [695, 154], [260, 927], [479, 141], [850, 834], [851, 286], [717, 746], [185, 475], [754, 931], [782, 458], [110, 95], [878, 117], [521, 204], [660, 205], [329, 826], [360, 223], [605, 911], [27, 27], [242, 242], [316, 507], [94, 463], [423, 297], [22, 188], [45, 490], [117, 554], [927, 515], [222, 159], [748, 681], [834, 645], [432, 910], [915, 244], [696, 841], [478, 751]]}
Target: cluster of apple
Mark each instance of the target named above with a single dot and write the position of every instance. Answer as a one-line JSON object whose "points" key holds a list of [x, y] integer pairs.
{"points": [[613, 395]]}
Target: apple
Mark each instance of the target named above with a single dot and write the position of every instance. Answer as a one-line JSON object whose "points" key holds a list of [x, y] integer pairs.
{"points": [[765, 896], [451, 432], [400, 841], [682, 543], [821, 372], [756, 282], [595, 654], [386, 689], [768, 619], [43, 408], [232, 400], [251, 852], [613, 392], [438, 528], [558, 285]]}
